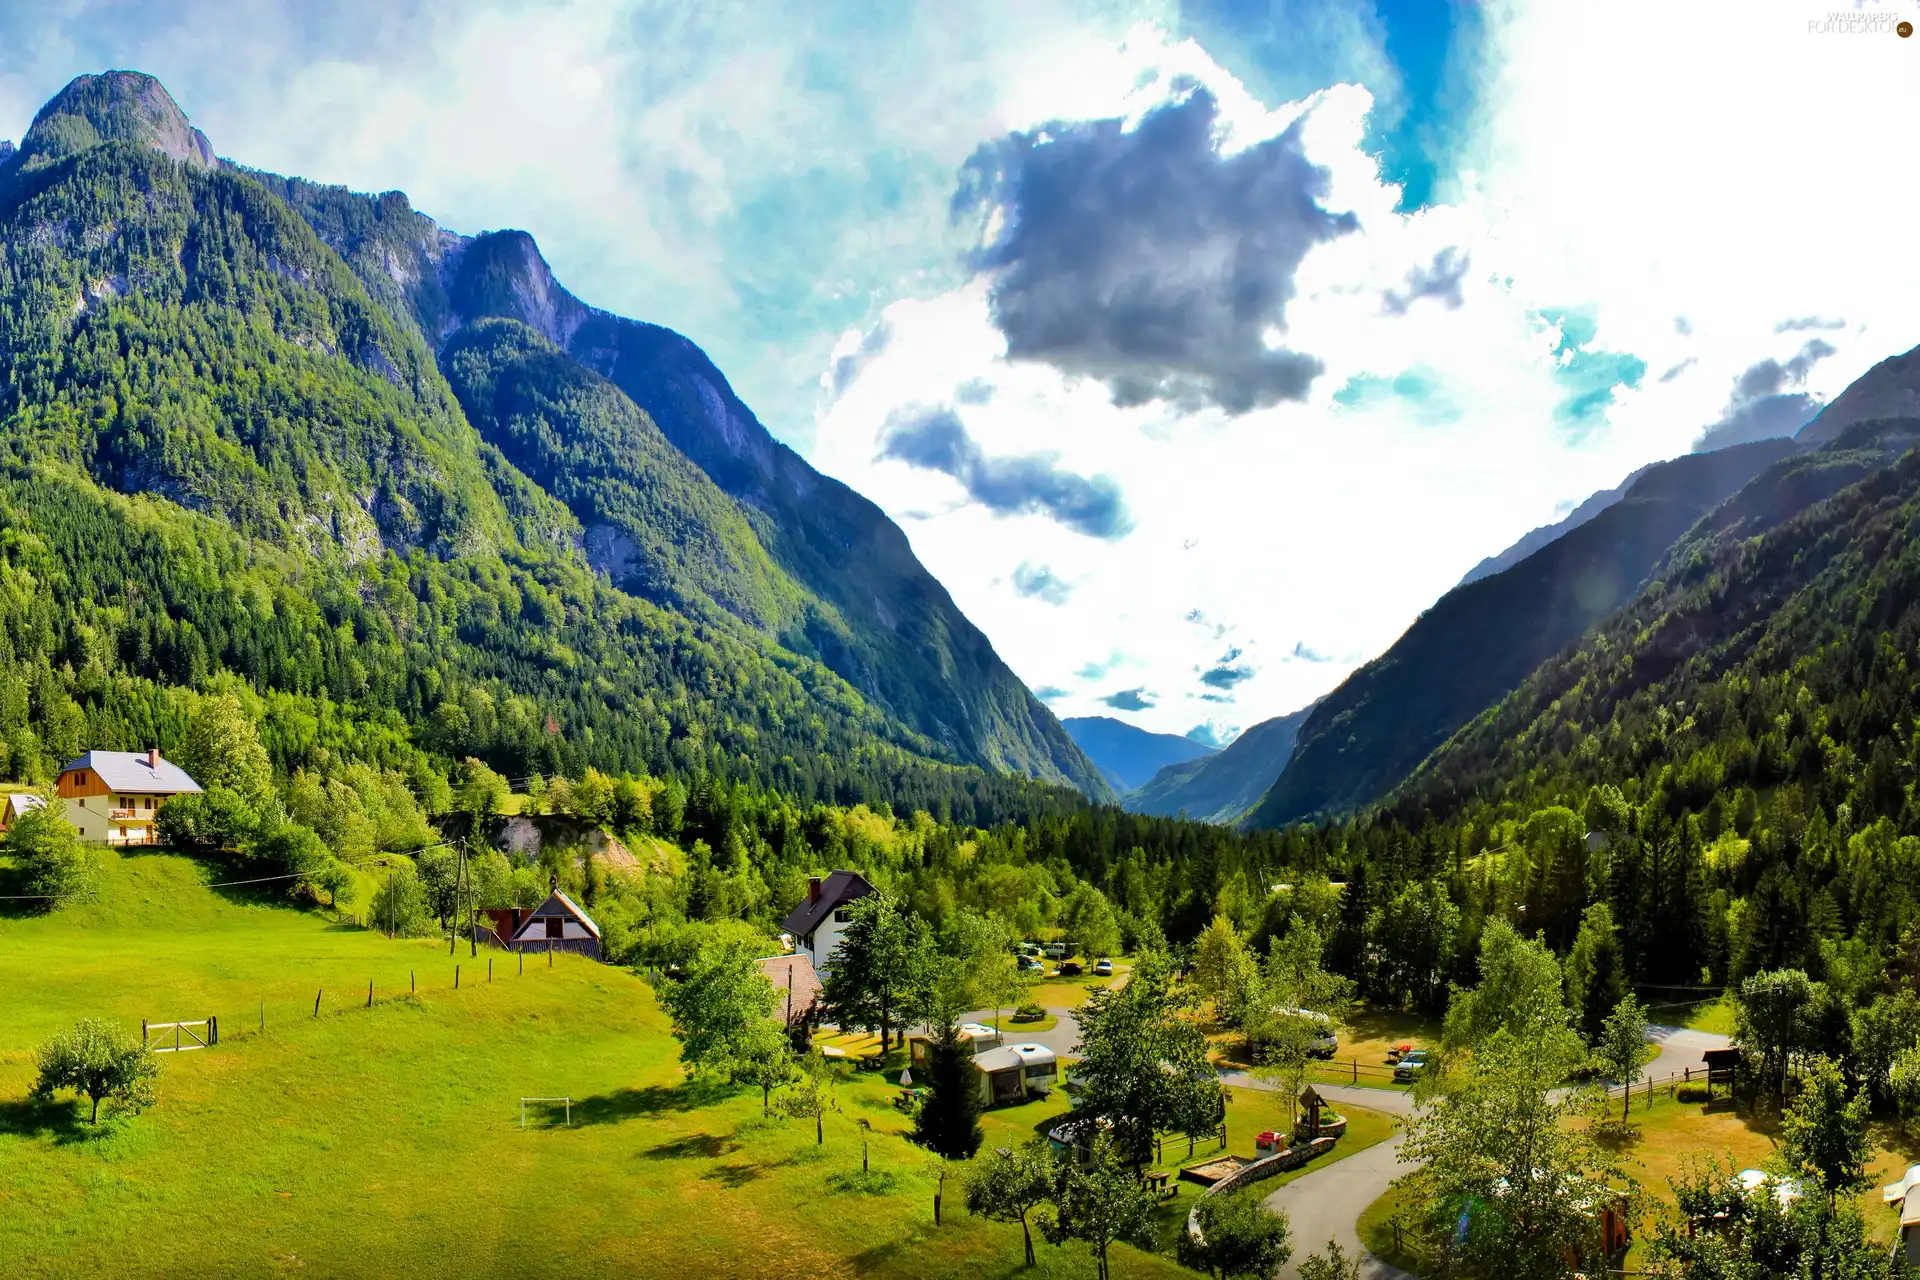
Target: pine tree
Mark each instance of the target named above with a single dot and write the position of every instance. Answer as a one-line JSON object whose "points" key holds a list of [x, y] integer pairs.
{"points": [[949, 1119]]}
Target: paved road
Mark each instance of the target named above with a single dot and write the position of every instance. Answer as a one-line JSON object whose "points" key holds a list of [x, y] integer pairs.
{"points": [[1681, 1049], [1327, 1202], [1324, 1204]]}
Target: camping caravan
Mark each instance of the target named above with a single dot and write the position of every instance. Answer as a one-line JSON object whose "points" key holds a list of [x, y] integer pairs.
{"points": [[977, 1037], [1015, 1073]]}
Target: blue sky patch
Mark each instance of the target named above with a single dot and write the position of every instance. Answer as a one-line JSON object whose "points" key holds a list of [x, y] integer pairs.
{"points": [[1418, 389]]}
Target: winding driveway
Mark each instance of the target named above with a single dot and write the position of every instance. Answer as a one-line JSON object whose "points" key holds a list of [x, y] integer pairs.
{"points": [[1327, 1203]]}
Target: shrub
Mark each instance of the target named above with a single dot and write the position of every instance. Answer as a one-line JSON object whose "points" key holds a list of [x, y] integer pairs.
{"points": [[1691, 1093], [1029, 1012], [48, 849]]}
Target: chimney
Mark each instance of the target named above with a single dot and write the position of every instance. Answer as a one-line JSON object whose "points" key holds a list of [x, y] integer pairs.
{"points": [[153, 757], [813, 891]]}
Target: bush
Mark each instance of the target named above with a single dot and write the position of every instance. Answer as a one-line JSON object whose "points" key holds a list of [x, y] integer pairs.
{"points": [[1029, 1012], [1691, 1093], [48, 849]]}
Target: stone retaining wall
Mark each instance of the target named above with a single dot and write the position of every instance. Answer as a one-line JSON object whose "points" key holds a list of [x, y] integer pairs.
{"points": [[1266, 1167]]}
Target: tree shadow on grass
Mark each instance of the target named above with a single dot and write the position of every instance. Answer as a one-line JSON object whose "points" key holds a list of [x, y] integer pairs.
{"points": [[637, 1104], [61, 1120], [733, 1176], [696, 1146], [15, 902]]}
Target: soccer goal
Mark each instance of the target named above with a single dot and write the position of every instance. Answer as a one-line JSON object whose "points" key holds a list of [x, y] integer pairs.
{"points": [[549, 1104]]}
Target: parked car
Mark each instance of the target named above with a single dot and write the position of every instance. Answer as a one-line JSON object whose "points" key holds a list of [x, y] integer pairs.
{"points": [[1411, 1064], [1103, 968], [1029, 964], [1325, 1042], [1070, 969]]}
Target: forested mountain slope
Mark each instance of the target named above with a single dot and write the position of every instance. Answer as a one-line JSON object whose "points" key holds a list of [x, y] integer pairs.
{"points": [[1223, 786], [1482, 639], [848, 590], [1774, 645], [220, 453]]}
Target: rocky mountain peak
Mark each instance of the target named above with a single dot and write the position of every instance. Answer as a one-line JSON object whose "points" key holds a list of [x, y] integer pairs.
{"points": [[127, 106]]}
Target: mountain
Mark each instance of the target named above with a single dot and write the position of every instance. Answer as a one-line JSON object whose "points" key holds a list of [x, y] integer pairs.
{"points": [[1221, 787], [1546, 533], [1128, 756], [1769, 652], [1481, 640], [1891, 389], [832, 578], [226, 453]]}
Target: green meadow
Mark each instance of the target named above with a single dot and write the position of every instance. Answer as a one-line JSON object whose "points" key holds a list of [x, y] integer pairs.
{"points": [[386, 1140]]}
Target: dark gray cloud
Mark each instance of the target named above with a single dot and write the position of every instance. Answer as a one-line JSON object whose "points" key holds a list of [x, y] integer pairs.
{"points": [[1441, 280], [847, 368], [1216, 697], [1226, 677], [1147, 259], [1038, 582], [1134, 699], [934, 439], [1763, 405], [973, 391], [1808, 322]]}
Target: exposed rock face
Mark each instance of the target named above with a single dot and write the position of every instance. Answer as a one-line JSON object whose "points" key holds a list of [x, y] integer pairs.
{"points": [[122, 106]]}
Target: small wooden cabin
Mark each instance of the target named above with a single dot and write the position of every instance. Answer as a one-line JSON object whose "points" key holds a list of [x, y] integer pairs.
{"points": [[558, 924]]}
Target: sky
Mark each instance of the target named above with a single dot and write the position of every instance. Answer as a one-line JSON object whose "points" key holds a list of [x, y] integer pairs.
{"points": [[1197, 347]]}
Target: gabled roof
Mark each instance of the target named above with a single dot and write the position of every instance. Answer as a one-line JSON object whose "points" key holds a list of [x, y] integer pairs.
{"points": [[792, 973], [20, 802], [837, 890], [129, 771], [557, 904]]}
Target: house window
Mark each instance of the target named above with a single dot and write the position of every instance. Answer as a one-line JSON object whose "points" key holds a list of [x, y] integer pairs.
{"points": [[841, 915], [556, 927]]}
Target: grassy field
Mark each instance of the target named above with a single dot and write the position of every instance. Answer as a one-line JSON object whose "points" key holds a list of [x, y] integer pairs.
{"points": [[385, 1141]]}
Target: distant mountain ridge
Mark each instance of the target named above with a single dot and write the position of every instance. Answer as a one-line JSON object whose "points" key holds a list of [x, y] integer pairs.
{"points": [[1129, 756], [1481, 640], [1221, 787], [1891, 389], [1540, 537]]}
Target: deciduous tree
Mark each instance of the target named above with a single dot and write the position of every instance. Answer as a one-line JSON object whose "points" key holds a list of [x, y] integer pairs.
{"points": [[99, 1061]]}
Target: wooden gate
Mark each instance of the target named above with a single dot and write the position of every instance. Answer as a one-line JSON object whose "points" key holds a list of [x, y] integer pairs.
{"points": [[178, 1037]]}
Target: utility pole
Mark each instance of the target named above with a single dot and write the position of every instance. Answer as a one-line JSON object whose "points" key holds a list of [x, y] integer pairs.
{"points": [[466, 878]]}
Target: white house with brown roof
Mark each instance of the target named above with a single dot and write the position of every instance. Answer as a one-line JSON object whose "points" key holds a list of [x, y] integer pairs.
{"points": [[17, 804], [114, 797], [818, 922]]}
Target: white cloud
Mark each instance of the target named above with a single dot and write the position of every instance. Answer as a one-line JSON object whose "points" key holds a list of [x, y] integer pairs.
{"points": [[1318, 531]]}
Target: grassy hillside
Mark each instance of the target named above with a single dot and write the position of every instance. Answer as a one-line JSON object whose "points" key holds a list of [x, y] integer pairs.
{"points": [[385, 1141]]}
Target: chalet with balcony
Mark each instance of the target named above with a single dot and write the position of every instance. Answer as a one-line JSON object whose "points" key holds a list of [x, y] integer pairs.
{"points": [[114, 797]]}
